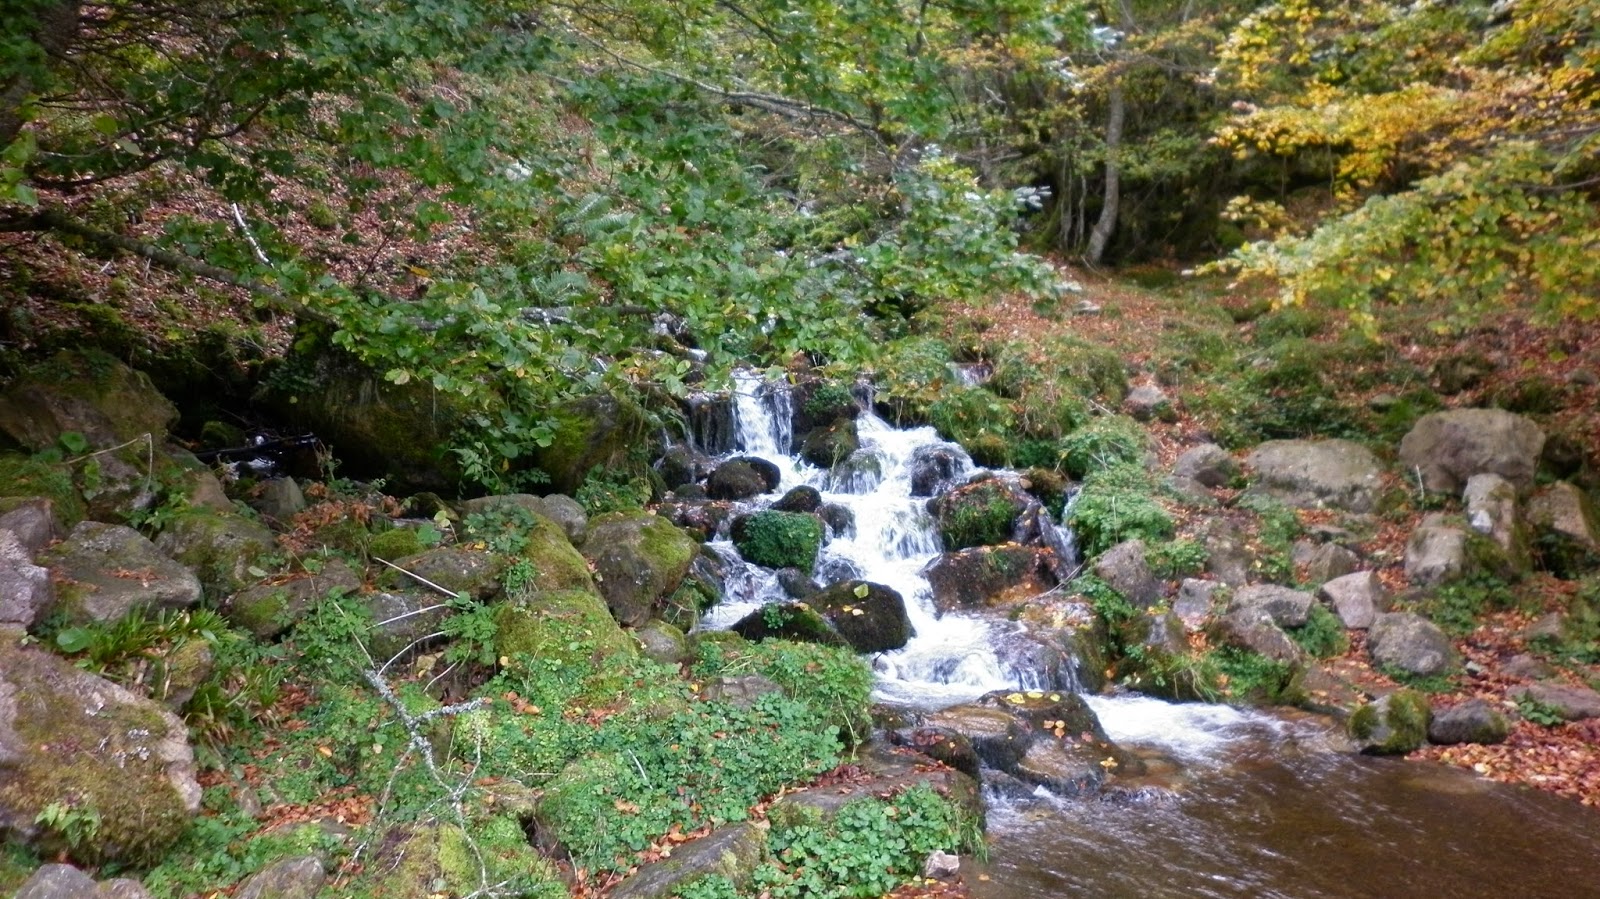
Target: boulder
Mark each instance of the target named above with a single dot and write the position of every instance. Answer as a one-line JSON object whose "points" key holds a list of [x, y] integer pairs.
{"points": [[1566, 526], [795, 621], [1492, 510], [1228, 554], [572, 630], [1147, 402], [1571, 701], [78, 743], [57, 881], [1209, 464], [778, 539], [938, 468], [1436, 553], [1286, 607], [1411, 643], [1327, 561], [547, 545], [89, 394], [940, 744], [1447, 448], [1255, 631], [735, 480], [32, 519], [662, 642], [799, 499], [219, 547], [610, 433], [405, 621], [999, 737], [280, 500], [300, 877], [988, 576], [1195, 600], [1124, 569], [732, 852], [680, 465], [1317, 474], [1356, 598], [870, 617], [826, 446], [104, 571], [26, 594], [796, 584], [565, 511], [475, 573], [639, 560], [1394, 725], [860, 473], [1473, 721], [270, 608], [985, 513], [1069, 769]]}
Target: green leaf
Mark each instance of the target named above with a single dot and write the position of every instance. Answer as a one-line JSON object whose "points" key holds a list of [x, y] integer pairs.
{"points": [[74, 639]]}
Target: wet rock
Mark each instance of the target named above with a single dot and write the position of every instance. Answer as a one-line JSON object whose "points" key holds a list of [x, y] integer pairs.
{"points": [[702, 518], [858, 474], [1492, 510], [1447, 448], [56, 881], [91, 569], [219, 547], [796, 621], [1124, 569], [940, 744], [1436, 552], [1316, 474], [840, 520], [800, 499], [797, 584], [1356, 598], [985, 513], [1473, 721], [680, 465], [870, 617], [988, 576], [998, 737], [1571, 701], [288, 878], [826, 446], [941, 865], [731, 852], [1567, 527], [1285, 607], [1394, 725], [938, 468], [778, 539], [639, 559], [735, 480], [1066, 769], [26, 594], [70, 738], [270, 609], [1411, 643], [1195, 600]]}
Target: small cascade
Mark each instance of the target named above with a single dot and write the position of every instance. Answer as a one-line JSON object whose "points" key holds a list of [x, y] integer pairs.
{"points": [[711, 424], [951, 659]]}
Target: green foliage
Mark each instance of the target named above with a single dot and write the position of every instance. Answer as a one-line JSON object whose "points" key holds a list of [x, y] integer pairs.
{"points": [[77, 826], [981, 515], [1457, 606], [1437, 684], [868, 848], [1323, 635], [969, 415], [1254, 679], [1176, 559], [1538, 712], [1114, 504], [612, 490], [1112, 607], [828, 399], [711, 886], [830, 680], [1110, 440], [503, 528], [780, 539]]}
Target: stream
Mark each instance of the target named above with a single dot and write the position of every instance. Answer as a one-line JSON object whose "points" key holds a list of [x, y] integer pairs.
{"points": [[1247, 804]]}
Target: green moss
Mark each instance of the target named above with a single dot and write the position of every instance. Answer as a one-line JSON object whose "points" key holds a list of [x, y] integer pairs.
{"points": [[396, 543], [32, 476], [1114, 505], [557, 565], [220, 547], [1108, 440], [779, 539], [571, 630], [1395, 725], [981, 515]]}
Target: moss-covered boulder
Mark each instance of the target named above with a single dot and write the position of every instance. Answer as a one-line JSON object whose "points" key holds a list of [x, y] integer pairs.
{"points": [[557, 565], [600, 431], [104, 571], [662, 642], [778, 539], [571, 629], [989, 576], [89, 769], [732, 853], [870, 617], [270, 608], [563, 510], [826, 446], [1394, 725], [423, 860], [90, 394], [981, 514], [405, 622], [219, 547], [458, 569], [639, 560], [796, 621]]}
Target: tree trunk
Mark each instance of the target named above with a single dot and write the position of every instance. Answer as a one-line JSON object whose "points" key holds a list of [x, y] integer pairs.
{"points": [[1107, 223]]}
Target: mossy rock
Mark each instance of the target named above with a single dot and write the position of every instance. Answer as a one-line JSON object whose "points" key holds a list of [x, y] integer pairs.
{"points": [[600, 431], [269, 609], [779, 539], [796, 621], [1394, 725], [87, 393], [639, 560], [557, 565], [981, 514], [988, 577], [455, 568], [395, 543], [31, 476], [117, 766], [424, 860], [90, 571], [219, 547], [662, 642], [826, 446], [571, 629]]}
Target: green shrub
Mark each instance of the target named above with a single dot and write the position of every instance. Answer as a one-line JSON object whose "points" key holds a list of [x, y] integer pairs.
{"points": [[1254, 679], [981, 515], [965, 414], [1107, 441], [779, 539], [830, 680], [1114, 504], [1323, 634], [1176, 558]]}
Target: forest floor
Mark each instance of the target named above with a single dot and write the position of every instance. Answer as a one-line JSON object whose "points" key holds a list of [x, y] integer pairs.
{"points": [[1148, 326]]}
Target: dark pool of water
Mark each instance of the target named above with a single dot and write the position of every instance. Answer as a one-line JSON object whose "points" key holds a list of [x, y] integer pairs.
{"points": [[1271, 821]]}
